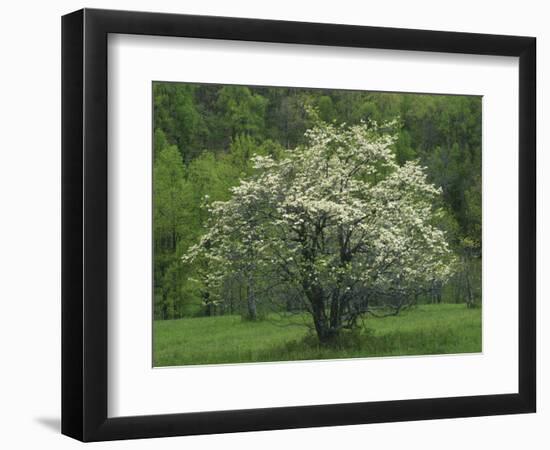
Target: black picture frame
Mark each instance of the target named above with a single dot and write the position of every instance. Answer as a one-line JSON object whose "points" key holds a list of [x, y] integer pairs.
{"points": [[84, 224]]}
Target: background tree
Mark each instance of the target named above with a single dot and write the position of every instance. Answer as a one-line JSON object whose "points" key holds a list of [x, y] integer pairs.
{"points": [[176, 115], [169, 220], [242, 111]]}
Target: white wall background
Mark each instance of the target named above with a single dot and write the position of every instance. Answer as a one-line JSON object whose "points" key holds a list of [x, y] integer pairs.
{"points": [[30, 224]]}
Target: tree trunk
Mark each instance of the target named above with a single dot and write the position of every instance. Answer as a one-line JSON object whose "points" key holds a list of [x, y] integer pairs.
{"points": [[470, 298], [325, 332], [209, 310], [251, 301], [335, 311]]}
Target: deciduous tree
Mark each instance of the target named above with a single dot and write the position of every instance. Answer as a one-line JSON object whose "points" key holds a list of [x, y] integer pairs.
{"points": [[338, 220]]}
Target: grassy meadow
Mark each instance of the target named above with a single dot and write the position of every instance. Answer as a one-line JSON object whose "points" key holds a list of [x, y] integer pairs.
{"points": [[422, 330]]}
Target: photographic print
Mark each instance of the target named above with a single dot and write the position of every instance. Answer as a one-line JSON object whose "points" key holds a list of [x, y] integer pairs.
{"points": [[307, 224]]}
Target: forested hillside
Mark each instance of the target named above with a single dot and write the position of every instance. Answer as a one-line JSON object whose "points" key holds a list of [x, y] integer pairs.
{"points": [[205, 136]]}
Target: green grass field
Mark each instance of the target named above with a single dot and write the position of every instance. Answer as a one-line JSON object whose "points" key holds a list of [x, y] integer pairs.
{"points": [[424, 330]]}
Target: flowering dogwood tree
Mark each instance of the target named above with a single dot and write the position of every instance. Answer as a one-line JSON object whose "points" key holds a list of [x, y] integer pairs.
{"points": [[336, 220]]}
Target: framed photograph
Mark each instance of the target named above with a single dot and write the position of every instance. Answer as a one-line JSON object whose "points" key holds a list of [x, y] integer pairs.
{"points": [[273, 224]]}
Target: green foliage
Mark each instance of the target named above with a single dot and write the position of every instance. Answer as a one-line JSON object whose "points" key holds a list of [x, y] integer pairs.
{"points": [[160, 141], [425, 330], [326, 108], [242, 148], [175, 114], [169, 220], [169, 185], [242, 111]]}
